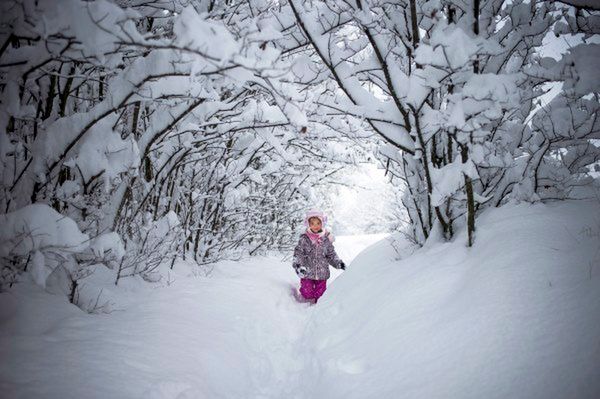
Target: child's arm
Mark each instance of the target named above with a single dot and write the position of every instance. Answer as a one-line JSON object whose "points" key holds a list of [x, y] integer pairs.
{"points": [[333, 258], [298, 260]]}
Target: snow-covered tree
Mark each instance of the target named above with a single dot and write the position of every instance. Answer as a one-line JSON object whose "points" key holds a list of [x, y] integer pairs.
{"points": [[172, 124], [452, 89]]}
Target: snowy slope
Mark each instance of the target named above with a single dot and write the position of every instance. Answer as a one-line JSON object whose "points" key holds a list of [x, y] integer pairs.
{"points": [[517, 316], [236, 333], [201, 337]]}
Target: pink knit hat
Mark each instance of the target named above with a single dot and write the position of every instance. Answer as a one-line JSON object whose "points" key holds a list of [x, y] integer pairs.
{"points": [[315, 214]]}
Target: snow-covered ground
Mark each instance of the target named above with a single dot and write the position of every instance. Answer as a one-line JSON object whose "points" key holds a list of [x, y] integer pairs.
{"points": [[516, 316], [237, 333]]}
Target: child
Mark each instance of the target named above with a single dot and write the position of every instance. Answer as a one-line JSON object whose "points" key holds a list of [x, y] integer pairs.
{"points": [[313, 255]]}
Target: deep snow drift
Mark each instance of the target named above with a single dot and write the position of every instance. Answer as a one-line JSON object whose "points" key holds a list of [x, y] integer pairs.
{"points": [[516, 316]]}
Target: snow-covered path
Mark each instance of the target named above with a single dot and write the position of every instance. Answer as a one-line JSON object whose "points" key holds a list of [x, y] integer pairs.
{"points": [[235, 334]]}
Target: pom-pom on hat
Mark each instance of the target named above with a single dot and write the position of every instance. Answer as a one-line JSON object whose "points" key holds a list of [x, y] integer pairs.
{"points": [[315, 214]]}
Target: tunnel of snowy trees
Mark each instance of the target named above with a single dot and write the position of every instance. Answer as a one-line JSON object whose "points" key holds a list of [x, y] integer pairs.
{"points": [[148, 130], [139, 134]]}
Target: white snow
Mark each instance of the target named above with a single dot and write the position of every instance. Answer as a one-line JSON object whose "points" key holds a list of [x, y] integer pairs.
{"points": [[201, 34], [37, 227], [108, 242], [447, 180], [104, 152], [515, 316]]}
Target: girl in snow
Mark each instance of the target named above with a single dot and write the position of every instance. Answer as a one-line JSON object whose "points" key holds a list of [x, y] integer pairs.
{"points": [[313, 255]]}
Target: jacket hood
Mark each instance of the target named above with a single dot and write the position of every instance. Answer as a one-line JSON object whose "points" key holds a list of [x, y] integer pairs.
{"points": [[315, 214]]}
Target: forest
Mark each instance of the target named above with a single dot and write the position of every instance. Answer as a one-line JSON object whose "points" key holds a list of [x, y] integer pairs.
{"points": [[146, 139]]}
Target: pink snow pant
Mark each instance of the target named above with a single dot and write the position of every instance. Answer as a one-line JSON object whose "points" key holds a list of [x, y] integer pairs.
{"points": [[312, 289]]}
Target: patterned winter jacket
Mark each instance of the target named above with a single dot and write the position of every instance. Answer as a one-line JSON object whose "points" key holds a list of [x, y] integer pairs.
{"points": [[312, 260]]}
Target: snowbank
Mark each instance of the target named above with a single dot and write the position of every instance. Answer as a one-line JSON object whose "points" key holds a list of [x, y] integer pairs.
{"points": [[38, 227], [35, 231], [514, 317], [228, 335]]}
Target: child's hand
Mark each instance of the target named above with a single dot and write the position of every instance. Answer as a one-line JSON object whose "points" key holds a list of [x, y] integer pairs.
{"points": [[301, 271]]}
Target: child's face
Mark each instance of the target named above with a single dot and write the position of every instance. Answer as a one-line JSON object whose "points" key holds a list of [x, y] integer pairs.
{"points": [[314, 224]]}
